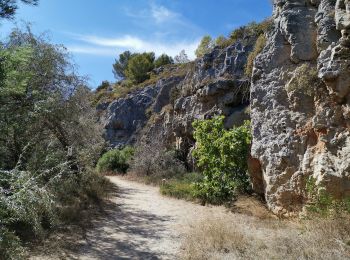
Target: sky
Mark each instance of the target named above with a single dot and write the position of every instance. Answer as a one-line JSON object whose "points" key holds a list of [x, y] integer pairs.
{"points": [[95, 32]]}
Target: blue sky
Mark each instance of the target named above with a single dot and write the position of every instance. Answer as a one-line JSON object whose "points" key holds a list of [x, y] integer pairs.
{"points": [[97, 31]]}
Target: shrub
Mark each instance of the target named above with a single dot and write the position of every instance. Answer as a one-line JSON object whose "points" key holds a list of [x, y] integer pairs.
{"points": [[305, 80], [205, 46], [182, 187], [222, 156], [156, 162], [223, 42], [139, 65], [163, 60], [259, 46], [48, 139], [251, 30], [10, 245], [178, 189], [115, 160], [320, 202]]}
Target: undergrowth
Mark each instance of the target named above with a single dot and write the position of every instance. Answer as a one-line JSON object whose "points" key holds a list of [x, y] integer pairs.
{"points": [[322, 204], [181, 187], [304, 80]]}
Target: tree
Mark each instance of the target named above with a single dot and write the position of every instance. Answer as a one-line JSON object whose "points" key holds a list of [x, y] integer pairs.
{"points": [[163, 60], [139, 66], [181, 57], [221, 41], [205, 46], [49, 138], [120, 65], [8, 8], [104, 86]]}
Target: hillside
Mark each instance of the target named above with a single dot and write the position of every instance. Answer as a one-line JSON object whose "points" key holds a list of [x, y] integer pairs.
{"points": [[240, 153], [298, 103]]}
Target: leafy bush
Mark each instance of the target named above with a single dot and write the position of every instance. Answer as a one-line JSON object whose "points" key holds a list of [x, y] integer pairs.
{"points": [[222, 156], [10, 245], [115, 160]]}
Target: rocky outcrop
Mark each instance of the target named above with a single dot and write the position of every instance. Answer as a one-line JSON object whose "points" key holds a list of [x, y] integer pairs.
{"points": [[300, 103], [212, 85], [126, 116]]}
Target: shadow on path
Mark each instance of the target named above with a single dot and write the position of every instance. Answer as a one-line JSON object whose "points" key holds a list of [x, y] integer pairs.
{"points": [[123, 232]]}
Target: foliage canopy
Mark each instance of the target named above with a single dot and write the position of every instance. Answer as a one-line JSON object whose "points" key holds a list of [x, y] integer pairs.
{"points": [[49, 138], [222, 157]]}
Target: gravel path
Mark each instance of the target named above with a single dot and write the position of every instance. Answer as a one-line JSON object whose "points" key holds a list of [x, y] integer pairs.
{"points": [[143, 225]]}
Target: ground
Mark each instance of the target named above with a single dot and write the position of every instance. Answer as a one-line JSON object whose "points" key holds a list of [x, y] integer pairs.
{"points": [[139, 223]]}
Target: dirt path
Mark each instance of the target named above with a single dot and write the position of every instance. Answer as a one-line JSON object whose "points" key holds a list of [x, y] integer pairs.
{"points": [[143, 225], [137, 222]]}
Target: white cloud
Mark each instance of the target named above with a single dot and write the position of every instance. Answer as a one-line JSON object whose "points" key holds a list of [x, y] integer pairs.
{"points": [[123, 42], [95, 45], [96, 51], [155, 13], [162, 14]]}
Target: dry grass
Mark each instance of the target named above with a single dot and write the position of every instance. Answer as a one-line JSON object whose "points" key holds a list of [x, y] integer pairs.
{"points": [[259, 46], [305, 80], [250, 238]]}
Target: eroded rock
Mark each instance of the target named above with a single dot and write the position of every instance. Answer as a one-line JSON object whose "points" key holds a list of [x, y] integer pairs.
{"points": [[298, 133]]}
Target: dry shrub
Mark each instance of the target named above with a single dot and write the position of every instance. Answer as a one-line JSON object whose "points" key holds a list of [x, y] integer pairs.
{"points": [[155, 162], [259, 46], [249, 238], [305, 79], [214, 239]]}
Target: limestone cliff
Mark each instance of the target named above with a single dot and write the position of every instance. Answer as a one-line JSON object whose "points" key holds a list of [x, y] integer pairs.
{"points": [[212, 85], [299, 96], [300, 103]]}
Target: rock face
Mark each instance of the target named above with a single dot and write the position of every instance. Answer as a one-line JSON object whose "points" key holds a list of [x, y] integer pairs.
{"points": [[212, 85], [301, 127], [126, 116]]}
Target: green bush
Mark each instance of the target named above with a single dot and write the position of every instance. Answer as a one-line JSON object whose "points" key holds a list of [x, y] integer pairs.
{"points": [[115, 160], [205, 46], [139, 67], [222, 156], [321, 203], [10, 245], [163, 60], [181, 187], [45, 156]]}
